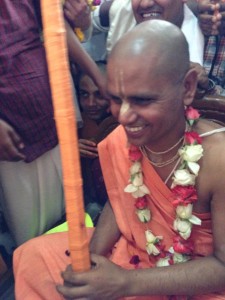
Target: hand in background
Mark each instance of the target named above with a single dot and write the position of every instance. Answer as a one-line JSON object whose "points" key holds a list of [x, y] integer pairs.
{"points": [[10, 143], [78, 13], [88, 148], [211, 16]]}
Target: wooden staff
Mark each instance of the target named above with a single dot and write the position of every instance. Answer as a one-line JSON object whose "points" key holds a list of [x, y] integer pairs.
{"points": [[64, 112]]}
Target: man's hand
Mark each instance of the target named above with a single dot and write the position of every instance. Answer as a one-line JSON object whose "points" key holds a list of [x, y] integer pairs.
{"points": [[211, 16], [104, 281], [10, 143], [88, 148], [78, 13]]}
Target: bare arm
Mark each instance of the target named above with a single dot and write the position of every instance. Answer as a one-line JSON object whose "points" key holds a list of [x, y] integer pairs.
{"points": [[109, 281], [81, 57], [106, 233], [204, 275]]}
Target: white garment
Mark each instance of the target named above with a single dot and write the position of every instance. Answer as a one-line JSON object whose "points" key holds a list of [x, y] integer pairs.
{"points": [[193, 35], [32, 195], [122, 20]]}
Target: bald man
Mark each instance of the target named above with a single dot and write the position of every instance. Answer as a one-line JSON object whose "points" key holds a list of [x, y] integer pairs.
{"points": [[155, 252]]}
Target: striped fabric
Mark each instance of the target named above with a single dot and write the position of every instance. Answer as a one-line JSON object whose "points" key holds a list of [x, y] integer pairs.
{"points": [[214, 60], [25, 98]]}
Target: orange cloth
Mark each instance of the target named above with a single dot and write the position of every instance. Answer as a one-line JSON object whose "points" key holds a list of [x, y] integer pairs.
{"points": [[37, 263], [115, 164]]}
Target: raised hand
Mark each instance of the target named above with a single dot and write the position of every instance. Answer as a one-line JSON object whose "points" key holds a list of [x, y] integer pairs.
{"points": [[211, 16], [78, 13]]}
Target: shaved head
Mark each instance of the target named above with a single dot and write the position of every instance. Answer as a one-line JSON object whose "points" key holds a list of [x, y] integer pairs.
{"points": [[157, 45], [149, 81]]}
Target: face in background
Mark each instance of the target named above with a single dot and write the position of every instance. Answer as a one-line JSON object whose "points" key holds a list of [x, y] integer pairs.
{"points": [[91, 101], [167, 10]]}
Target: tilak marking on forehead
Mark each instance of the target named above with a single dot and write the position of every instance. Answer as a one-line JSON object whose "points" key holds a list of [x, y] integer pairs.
{"points": [[125, 104]]}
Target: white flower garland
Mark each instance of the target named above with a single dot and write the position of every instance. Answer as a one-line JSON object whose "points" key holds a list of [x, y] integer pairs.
{"points": [[183, 189]]}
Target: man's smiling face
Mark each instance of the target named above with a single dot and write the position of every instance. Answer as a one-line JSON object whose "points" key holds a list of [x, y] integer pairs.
{"points": [[168, 10]]}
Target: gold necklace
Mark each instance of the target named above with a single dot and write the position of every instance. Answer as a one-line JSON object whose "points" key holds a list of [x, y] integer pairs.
{"points": [[166, 151], [159, 164], [171, 148]]}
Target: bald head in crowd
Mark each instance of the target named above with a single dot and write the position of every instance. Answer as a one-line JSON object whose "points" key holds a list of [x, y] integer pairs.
{"points": [[148, 75], [153, 43]]}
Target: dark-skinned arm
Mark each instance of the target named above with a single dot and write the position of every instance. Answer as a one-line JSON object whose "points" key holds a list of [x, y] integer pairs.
{"points": [[82, 58], [106, 233]]}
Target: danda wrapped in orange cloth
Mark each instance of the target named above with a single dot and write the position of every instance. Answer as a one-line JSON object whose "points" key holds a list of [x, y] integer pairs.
{"points": [[163, 227]]}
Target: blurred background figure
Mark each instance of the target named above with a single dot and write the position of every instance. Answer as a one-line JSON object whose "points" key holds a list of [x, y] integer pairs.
{"points": [[97, 124]]}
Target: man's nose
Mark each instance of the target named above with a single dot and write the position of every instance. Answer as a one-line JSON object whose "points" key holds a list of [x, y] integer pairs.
{"points": [[146, 3], [126, 114], [91, 101]]}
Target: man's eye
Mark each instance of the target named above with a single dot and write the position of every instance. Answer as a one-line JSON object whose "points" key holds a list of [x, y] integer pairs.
{"points": [[99, 95], [83, 94], [116, 100], [142, 101]]}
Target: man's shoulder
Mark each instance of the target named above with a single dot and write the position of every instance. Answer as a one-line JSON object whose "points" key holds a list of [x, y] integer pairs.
{"points": [[116, 139], [211, 132], [118, 134], [213, 142]]}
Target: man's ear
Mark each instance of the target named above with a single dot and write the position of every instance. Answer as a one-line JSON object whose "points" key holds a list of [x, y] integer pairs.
{"points": [[190, 85]]}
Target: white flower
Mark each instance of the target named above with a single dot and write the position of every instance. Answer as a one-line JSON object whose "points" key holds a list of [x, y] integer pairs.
{"points": [[137, 179], [130, 188], [183, 177], [144, 215], [141, 191], [180, 258], [137, 191], [152, 249], [163, 262], [193, 167], [191, 153], [183, 227], [135, 168], [184, 212], [195, 220], [151, 238], [151, 241]]}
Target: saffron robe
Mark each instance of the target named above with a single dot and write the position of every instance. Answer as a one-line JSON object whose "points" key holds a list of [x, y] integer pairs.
{"points": [[37, 263]]}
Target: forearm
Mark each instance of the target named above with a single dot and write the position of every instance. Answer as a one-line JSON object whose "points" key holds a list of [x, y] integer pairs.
{"points": [[201, 276], [81, 57], [106, 233]]}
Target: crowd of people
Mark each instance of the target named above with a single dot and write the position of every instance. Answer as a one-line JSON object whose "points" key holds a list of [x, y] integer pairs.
{"points": [[159, 56]]}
